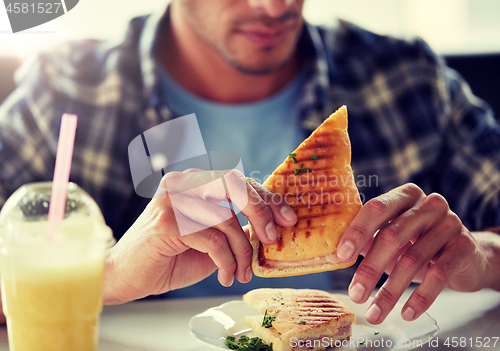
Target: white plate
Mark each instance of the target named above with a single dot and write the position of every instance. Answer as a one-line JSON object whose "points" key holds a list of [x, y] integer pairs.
{"points": [[213, 325]]}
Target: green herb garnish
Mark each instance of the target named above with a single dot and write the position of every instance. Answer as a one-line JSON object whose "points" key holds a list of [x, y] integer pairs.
{"points": [[301, 165], [305, 170], [296, 171], [282, 303], [376, 333], [267, 322], [244, 343], [302, 322], [292, 155], [361, 343], [314, 157], [294, 160]]}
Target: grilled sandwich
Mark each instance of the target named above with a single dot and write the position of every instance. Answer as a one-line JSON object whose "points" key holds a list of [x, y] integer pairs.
{"points": [[317, 181], [298, 319]]}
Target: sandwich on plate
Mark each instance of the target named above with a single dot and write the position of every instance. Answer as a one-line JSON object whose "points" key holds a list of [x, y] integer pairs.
{"points": [[299, 319], [317, 181]]}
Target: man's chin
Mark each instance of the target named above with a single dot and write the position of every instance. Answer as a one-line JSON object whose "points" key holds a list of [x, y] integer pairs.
{"points": [[258, 71], [260, 68]]}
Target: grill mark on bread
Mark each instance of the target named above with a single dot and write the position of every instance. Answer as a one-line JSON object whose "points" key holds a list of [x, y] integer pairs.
{"points": [[317, 215], [321, 316], [318, 306], [317, 322], [314, 309], [318, 172], [315, 299], [302, 194], [321, 306], [279, 243], [302, 204], [313, 314], [320, 144], [262, 258], [328, 197], [333, 213], [305, 189]]}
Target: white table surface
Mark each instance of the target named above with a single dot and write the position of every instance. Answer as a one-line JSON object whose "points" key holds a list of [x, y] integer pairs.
{"points": [[163, 324]]}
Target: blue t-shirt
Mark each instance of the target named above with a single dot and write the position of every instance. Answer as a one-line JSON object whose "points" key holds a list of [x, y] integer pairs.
{"points": [[262, 133]]}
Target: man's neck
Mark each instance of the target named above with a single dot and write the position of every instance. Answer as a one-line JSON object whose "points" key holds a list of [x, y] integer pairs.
{"points": [[200, 69]]}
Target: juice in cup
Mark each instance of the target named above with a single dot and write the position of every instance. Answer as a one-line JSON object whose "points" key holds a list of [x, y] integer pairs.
{"points": [[52, 291]]}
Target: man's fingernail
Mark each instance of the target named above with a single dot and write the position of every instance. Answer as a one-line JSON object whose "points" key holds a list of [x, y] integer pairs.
{"points": [[373, 313], [408, 314], [271, 232], [357, 292], [228, 283], [248, 273], [288, 213], [345, 251]]}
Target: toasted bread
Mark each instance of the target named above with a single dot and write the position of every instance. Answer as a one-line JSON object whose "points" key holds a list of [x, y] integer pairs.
{"points": [[318, 182], [299, 315]]}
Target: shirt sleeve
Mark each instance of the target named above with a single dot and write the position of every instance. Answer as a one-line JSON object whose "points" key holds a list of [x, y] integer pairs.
{"points": [[28, 130], [468, 168]]}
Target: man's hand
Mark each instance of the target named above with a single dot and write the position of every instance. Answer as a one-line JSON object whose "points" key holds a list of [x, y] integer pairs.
{"points": [[414, 237], [153, 257]]}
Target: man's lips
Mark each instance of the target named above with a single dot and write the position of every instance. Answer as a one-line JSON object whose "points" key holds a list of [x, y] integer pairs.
{"points": [[265, 37]]}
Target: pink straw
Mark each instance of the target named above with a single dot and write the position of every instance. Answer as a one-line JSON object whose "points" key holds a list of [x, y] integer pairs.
{"points": [[61, 174]]}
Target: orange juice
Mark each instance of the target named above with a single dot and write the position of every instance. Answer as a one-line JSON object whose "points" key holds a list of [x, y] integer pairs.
{"points": [[54, 309], [52, 291]]}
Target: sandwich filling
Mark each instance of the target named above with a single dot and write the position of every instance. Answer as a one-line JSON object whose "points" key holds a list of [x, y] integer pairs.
{"points": [[310, 262]]}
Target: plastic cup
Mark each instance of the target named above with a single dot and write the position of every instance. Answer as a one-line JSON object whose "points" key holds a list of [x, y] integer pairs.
{"points": [[52, 290]]}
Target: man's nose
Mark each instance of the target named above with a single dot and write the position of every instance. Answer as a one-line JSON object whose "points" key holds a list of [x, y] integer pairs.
{"points": [[273, 8]]}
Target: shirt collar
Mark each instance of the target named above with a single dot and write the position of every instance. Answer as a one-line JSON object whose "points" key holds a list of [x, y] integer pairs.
{"points": [[315, 97], [147, 47]]}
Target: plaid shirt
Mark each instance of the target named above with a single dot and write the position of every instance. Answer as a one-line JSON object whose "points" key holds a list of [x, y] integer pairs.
{"points": [[411, 119]]}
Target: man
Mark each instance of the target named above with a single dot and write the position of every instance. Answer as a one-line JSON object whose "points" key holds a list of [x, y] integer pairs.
{"points": [[257, 63]]}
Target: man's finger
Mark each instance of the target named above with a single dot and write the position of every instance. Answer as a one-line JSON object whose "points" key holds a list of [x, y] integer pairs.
{"points": [[407, 267], [445, 265], [228, 185], [247, 199], [373, 215], [215, 244], [392, 237], [437, 277], [201, 184], [283, 214], [221, 219]]}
